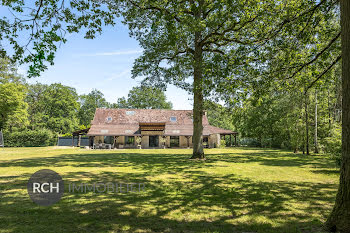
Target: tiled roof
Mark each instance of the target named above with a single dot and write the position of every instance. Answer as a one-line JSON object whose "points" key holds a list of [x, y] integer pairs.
{"points": [[126, 122], [136, 116]]}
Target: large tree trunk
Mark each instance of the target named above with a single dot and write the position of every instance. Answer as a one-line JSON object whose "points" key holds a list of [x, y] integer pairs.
{"points": [[339, 220], [198, 152]]}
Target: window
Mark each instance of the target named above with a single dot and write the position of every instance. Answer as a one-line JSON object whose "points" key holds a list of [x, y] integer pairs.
{"points": [[173, 119], [109, 119], [108, 139], [130, 113], [129, 140], [174, 141]]}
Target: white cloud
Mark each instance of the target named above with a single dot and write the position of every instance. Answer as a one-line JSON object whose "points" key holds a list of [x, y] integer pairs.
{"points": [[115, 53]]}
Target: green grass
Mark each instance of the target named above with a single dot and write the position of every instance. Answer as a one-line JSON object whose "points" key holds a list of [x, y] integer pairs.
{"points": [[234, 190]]}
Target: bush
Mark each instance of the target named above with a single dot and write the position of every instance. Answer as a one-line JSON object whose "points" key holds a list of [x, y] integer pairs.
{"points": [[251, 142], [222, 143], [28, 138], [332, 145], [67, 135]]}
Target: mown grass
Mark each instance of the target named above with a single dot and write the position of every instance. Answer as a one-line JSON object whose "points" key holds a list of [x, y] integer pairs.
{"points": [[234, 190]]}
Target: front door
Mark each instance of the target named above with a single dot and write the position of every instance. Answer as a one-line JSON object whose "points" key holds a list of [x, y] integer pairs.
{"points": [[153, 141]]}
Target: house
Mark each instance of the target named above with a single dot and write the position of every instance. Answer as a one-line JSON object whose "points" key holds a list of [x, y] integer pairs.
{"points": [[150, 128]]}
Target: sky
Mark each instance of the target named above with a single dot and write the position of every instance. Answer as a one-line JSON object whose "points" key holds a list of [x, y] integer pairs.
{"points": [[103, 63]]}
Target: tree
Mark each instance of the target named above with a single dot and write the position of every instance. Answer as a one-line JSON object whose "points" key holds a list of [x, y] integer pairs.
{"points": [[146, 97], [47, 24], [197, 45], [35, 100], [218, 115], [88, 105], [8, 72], [11, 103], [339, 218], [13, 109], [54, 107], [121, 103]]}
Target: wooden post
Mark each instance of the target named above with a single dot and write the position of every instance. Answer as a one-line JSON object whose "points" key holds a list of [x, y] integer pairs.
{"points": [[188, 141], [73, 140], [235, 139], [115, 141], [230, 140]]}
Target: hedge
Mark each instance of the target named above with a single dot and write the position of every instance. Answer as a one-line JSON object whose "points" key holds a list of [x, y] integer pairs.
{"points": [[29, 138]]}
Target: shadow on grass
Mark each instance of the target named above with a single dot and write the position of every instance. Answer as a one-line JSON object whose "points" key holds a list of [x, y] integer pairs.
{"points": [[173, 207], [207, 203], [171, 161]]}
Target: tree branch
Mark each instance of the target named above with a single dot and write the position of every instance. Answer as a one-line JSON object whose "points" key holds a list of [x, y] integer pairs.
{"points": [[229, 29], [188, 50], [316, 57], [214, 51], [324, 72], [156, 8], [271, 34]]}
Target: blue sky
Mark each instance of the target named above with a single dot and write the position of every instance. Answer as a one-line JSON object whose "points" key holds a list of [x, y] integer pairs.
{"points": [[103, 63]]}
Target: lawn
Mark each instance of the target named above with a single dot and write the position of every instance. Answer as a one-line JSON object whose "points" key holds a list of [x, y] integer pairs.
{"points": [[234, 190]]}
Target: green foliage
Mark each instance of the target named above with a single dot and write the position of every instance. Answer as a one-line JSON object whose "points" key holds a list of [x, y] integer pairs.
{"points": [[250, 142], [333, 144], [35, 29], [218, 115], [66, 135], [222, 143], [145, 97], [54, 107], [13, 109], [30, 138], [88, 105], [8, 72], [277, 118], [12, 105]]}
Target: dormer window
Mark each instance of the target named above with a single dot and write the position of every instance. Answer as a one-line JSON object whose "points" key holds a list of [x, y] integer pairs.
{"points": [[173, 119], [130, 113], [109, 119]]}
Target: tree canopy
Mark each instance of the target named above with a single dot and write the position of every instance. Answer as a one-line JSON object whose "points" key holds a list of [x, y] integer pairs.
{"points": [[88, 104], [145, 97]]}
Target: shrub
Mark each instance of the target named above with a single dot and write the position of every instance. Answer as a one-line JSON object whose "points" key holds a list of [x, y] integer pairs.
{"points": [[67, 135], [332, 145], [29, 138], [251, 142], [222, 143]]}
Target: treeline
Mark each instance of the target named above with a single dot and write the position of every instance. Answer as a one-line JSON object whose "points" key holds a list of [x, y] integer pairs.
{"points": [[298, 117], [269, 116], [35, 114]]}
